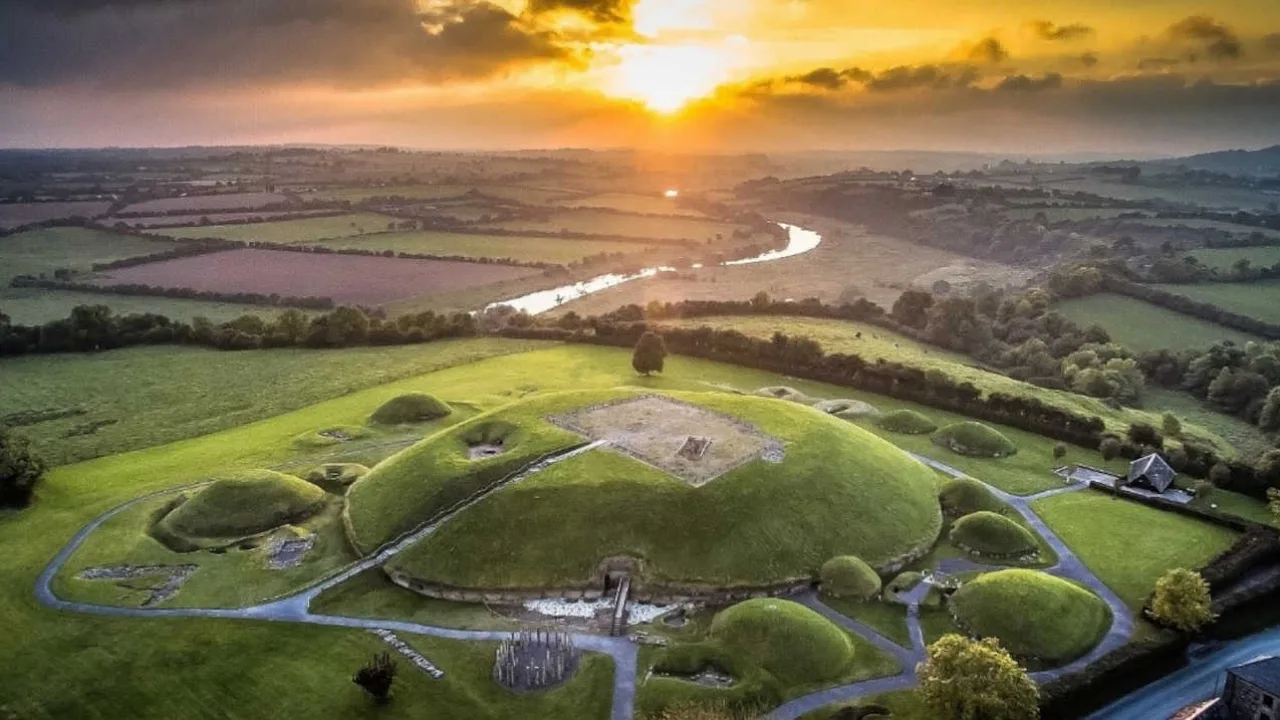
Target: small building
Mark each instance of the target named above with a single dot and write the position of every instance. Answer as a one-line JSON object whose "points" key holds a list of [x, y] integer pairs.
{"points": [[1252, 691], [1151, 472]]}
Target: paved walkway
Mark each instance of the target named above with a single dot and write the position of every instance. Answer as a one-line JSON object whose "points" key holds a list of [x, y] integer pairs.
{"points": [[296, 608]]}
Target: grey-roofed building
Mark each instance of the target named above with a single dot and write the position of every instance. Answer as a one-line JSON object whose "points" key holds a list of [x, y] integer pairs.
{"points": [[1151, 472], [1252, 691]]}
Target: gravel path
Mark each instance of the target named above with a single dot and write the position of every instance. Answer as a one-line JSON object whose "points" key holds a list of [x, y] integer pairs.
{"points": [[296, 608]]}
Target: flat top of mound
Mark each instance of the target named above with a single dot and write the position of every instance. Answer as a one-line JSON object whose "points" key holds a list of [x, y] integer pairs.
{"points": [[992, 534], [1034, 615], [793, 643], [245, 504], [833, 490]]}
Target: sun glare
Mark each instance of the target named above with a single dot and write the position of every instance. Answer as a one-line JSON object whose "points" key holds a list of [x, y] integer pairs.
{"points": [[667, 77]]}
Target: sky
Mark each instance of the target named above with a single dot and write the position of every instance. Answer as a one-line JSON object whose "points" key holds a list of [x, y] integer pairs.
{"points": [[1017, 76]]}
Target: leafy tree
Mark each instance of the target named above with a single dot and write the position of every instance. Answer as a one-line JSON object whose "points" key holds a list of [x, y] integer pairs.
{"points": [[1171, 425], [649, 354], [20, 469], [1110, 448], [912, 308], [1220, 474], [1059, 451], [1182, 600], [376, 677], [1273, 501], [1269, 419], [963, 679], [291, 326]]}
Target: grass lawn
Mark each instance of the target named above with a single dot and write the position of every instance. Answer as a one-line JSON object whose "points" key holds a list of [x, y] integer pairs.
{"points": [[370, 594], [1223, 259], [33, 306], [903, 705], [294, 232], [1140, 325], [877, 344], [530, 249], [603, 222], [156, 395], [758, 524], [40, 252], [1259, 300], [654, 204], [888, 619], [1246, 437], [1128, 545]]}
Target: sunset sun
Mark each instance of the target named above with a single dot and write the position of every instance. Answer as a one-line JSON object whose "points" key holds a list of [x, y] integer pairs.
{"points": [[666, 78]]}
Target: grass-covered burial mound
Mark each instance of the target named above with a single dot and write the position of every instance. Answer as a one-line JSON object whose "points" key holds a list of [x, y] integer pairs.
{"points": [[240, 506], [410, 408], [849, 577], [1035, 616], [992, 535], [975, 440], [963, 496], [906, 422], [775, 491], [788, 640]]}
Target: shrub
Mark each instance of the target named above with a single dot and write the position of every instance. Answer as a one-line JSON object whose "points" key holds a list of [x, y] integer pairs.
{"points": [[962, 679], [20, 469], [849, 577], [964, 496], [788, 640], [1110, 448], [975, 440], [992, 535], [1059, 451], [1182, 600], [650, 354], [410, 408], [1220, 474], [906, 422]]}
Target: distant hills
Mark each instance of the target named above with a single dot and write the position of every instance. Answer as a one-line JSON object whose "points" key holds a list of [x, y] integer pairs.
{"points": [[1264, 162]]}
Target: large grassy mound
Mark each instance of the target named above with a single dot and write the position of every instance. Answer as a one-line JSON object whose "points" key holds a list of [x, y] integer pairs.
{"points": [[963, 496], [410, 408], [837, 490], [993, 535], [906, 422], [242, 505], [1034, 615], [849, 577], [791, 642], [975, 440]]}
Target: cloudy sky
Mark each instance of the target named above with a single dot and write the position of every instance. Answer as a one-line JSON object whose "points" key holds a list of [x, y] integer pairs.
{"points": [[1140, 76]]}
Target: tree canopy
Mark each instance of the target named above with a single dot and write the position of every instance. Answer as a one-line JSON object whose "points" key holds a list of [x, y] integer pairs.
{"points": [[650, 354], [1182, 600], [20, 469], [963, 679]]}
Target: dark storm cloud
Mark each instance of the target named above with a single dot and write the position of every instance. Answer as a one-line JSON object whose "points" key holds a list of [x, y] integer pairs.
{"points": [[1089, 59], [604, 11], [1046, 30], [988, 50], [830, 78], [148, 43], [934, 77], [1028, 83], [1219, 41]]}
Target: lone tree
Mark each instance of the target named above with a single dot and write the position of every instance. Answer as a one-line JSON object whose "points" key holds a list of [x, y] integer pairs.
{"points": [[963, 679], [650, 353], [1182, 600], [20, 469], [377, 676], [1059, 451]]}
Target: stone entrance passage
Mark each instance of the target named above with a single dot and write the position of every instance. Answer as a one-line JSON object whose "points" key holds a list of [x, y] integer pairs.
{"points": [[694, 448]]}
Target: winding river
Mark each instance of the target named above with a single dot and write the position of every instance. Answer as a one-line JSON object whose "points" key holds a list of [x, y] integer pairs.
{"points": [[799, 241]]}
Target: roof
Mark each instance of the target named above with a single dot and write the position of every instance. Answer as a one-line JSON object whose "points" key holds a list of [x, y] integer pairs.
{"points": [[1264, 673], [1154, 469], [1196, 711]]}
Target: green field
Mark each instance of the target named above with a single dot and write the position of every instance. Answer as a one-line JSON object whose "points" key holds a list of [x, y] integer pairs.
{"points": [[1129, 545], [602, 222], [293, 232], [32, 306], [157, 395], [1258, 300], [1223, 259], [40, 252], [1246, 437], [877, 343], [527, 249], [526, 195], [1073, 214], [654, 204], [1142, 326]]}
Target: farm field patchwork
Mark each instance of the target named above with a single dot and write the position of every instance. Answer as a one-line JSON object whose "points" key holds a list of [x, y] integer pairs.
{"points": [[525, 249], [158, 221], [18, 214], [1141, 326], [526, 195], [1259, 300], [293, 232], [1223, 259], [30, 306], [352, 279], [603, 222], [654, 204], [40, 252], [202, 203]]}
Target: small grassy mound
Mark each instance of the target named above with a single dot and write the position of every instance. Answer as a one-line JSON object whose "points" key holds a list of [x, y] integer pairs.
{"points": [[330, 436], [964, 496], [791, 642], [847, 409], [782, 392], [992, 535], [849, 577], [1034, 615], [244, 505], [336, 477], [410, 408], [906, 422], [975, 440]]}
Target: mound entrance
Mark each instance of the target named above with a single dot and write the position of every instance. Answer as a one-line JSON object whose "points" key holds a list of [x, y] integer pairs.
{"points": [[692, 443]]}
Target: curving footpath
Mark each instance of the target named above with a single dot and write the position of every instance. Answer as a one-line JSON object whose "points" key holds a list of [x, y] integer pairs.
{"points": [[296, 608]]}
